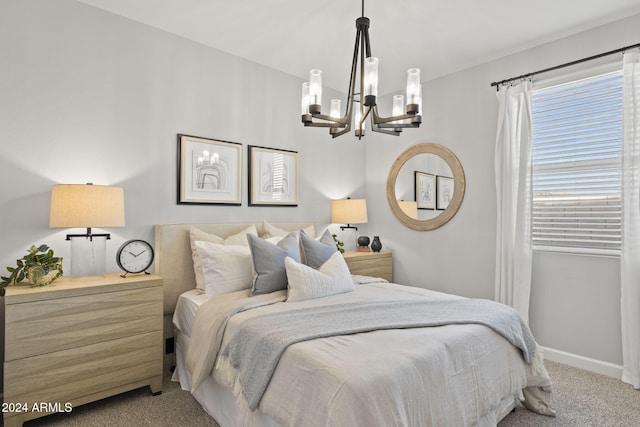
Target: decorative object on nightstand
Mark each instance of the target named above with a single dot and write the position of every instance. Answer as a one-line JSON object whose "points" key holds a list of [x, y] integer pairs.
{"points": [[38, 266], [135, 256], [87, 206], [376, 245], [339, 244], [78, 342], [363, 244], [375, 264], [349, 211]]}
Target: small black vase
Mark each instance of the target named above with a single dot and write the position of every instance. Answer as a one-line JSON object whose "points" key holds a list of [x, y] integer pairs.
{"points": [[363, 241], [376, 245]]}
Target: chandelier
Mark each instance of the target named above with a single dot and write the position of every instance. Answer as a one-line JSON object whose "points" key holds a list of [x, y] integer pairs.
{"points": [[362, 104]]}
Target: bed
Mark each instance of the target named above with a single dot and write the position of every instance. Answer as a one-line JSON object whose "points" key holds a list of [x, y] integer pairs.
{"points": [[457, 373]]}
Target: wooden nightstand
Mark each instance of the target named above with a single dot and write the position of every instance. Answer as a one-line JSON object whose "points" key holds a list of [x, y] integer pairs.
{"points": [[376, 264], [78, 341]]}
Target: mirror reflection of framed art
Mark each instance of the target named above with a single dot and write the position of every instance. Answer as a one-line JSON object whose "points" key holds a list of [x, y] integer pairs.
{"points": [[444, 192], [425, 190]]}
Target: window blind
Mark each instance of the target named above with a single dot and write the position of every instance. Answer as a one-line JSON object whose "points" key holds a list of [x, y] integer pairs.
{"points": [[576, 165]]}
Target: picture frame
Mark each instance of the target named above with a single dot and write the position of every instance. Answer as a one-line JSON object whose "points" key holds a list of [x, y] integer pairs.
{"points": [[209, 171], [444, 191], [425, 190], [273, 176]]}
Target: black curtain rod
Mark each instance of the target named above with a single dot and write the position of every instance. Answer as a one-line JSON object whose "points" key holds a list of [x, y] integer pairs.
{"points": [[528, 75]]}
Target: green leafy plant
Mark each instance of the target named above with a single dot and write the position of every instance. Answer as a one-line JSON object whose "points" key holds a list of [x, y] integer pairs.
{"points": [[39, 266], [339, 244]]}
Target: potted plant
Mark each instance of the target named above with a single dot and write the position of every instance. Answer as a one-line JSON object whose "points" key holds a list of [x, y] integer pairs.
{"points": [[40, 267], [339, 244]]}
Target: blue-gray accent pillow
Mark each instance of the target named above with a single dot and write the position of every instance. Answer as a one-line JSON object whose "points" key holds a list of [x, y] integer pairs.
{"points": [[317, 252], [268, 262]]}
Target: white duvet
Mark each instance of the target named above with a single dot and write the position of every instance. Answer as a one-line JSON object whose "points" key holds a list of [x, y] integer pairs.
{"points": [[452, 375]]}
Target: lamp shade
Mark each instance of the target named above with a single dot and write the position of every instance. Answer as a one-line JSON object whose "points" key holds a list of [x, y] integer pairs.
{"points": [[86, 206], [349, 211], [410, 208]]}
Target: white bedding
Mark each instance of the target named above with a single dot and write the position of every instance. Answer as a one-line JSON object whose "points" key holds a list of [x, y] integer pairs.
{"points": [[450, 375]]}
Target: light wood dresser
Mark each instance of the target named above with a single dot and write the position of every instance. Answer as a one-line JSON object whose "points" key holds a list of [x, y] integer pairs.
{"points": [[79, 340], [376, 264]]}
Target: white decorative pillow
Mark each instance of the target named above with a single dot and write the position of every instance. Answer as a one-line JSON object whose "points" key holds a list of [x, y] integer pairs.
{"points": [[333, 277], [225, 268], [273, 231], [197, 235]]}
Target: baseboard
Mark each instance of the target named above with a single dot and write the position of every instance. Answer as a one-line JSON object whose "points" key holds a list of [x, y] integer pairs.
{"points": [[581, 362]]}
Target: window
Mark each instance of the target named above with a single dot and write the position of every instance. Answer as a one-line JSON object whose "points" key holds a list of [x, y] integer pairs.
{"points": [[576, 165]]}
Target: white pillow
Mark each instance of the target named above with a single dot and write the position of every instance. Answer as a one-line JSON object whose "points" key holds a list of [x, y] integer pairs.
{"points": [[273, 231], [333, 277], [196, 235], [225, 268]]}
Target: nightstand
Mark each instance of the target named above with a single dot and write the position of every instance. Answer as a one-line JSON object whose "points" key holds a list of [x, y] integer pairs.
{"points": [[76, 341], [376, 264]]}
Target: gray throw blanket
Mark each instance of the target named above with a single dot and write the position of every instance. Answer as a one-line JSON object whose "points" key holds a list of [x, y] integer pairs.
{"points": [[255, 350]]}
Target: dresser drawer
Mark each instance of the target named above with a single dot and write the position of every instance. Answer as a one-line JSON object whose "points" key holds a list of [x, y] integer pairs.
{"points": [[74, 373], [41, 327]]}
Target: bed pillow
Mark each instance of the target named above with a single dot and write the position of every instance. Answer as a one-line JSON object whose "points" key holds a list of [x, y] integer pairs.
{"points": [[316, 252], [225, 268], [196, 235], [268, 262], [333, 277], [273, 231]]}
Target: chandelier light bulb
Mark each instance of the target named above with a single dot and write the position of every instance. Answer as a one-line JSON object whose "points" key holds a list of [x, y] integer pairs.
{"points": [[315, 90], [370, 80], [398, 106], [305, 98], [413, 89], [336, 105]]}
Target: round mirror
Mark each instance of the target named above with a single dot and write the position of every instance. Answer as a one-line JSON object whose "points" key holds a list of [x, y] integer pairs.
{"points": [[425, 186]]}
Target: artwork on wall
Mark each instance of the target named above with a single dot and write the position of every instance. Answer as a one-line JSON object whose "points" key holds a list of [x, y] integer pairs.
{"points": [[273, 177], [444, 191], [209, 171], [425, 190]]}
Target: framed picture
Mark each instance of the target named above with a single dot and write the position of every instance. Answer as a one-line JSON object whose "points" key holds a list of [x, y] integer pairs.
{"points": [[425, 190], [209, 171], [273, 177], [444, 192]]}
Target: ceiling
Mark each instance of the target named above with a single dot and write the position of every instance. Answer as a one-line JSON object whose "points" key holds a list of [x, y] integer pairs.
{"points": [[438, 36]]}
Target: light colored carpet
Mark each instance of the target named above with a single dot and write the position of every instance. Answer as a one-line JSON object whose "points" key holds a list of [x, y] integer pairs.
{"points": [[581, 399]]}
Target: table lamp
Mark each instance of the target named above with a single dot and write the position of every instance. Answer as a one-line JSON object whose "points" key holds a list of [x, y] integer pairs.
{"points": [[349, 211], [87, 206]]}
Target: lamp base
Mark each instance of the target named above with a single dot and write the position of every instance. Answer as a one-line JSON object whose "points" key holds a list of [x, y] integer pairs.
{"points": [[88, 257]]}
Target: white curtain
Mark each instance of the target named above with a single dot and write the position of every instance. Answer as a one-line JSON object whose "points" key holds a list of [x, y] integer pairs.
{"points": [[630, 257], [513, 188]]}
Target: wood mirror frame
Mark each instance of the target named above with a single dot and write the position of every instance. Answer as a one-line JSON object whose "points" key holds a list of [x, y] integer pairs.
{"points": [[458, 186]]}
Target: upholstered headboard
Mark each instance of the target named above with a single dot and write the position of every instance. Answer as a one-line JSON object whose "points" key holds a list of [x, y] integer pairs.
{"points": [[173, 261]]}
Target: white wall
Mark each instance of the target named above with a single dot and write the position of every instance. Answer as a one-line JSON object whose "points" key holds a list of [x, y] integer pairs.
{"points": [[575, 299], [87, 96]]}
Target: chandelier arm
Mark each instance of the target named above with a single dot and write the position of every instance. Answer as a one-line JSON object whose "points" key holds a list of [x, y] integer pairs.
{"points": [[386, 122], [395, 132], [322, 125], [340, 122], [335, 133]]}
